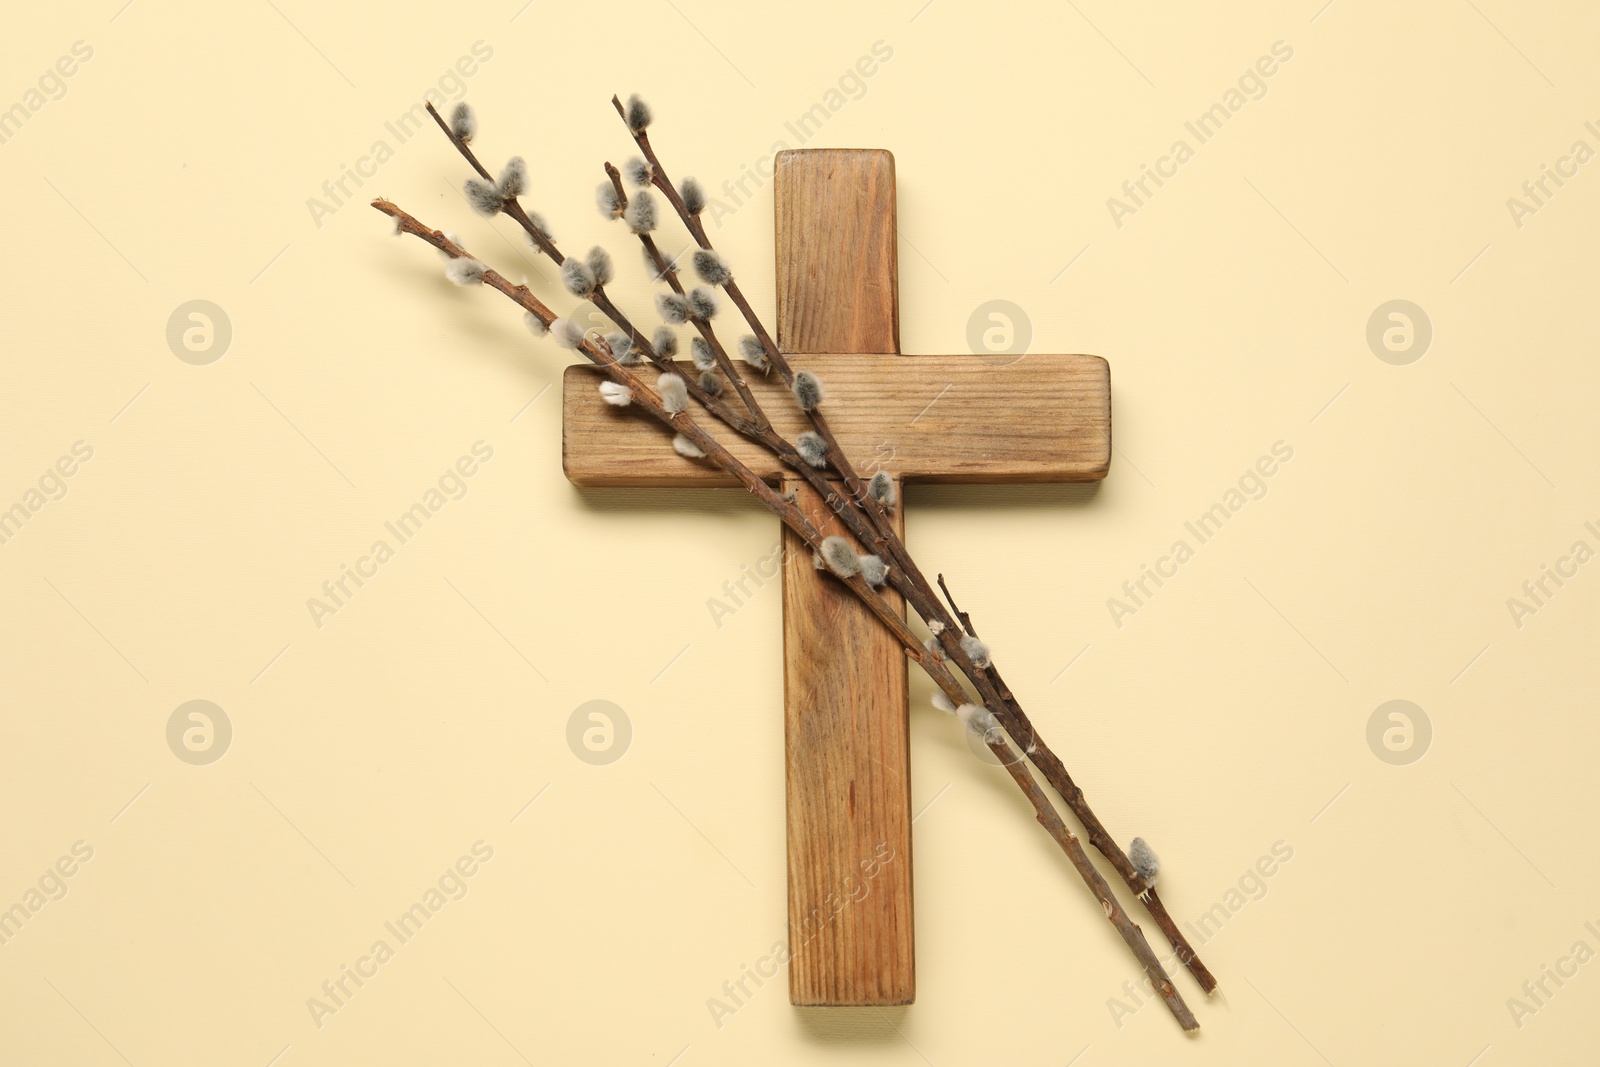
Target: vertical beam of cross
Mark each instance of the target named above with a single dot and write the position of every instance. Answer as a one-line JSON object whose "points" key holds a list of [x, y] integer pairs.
{"points": [[845, 710]]}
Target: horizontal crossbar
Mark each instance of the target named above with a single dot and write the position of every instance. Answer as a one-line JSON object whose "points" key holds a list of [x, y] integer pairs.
{"points": [[929, 419]]}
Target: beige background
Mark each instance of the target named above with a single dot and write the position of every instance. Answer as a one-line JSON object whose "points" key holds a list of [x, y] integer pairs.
{"points": [[1228, 714]]}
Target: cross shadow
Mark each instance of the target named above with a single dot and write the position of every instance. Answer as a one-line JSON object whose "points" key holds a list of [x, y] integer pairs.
{"points": [[1011, 497], [612, 500], [836, 1028], [919, 498]]}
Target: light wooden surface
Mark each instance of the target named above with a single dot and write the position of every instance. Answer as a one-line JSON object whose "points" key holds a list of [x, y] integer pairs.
{"points": [[849, 789], [967, 418], [846, 731], [838, 272]]}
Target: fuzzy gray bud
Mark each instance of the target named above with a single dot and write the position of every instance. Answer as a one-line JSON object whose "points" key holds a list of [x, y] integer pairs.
{"points": [[700, 352], [621, 346], [753, 351], [673, 308], [577, 277], [981, 721], [808, 391], [463, 123], [665, 342], [638, 171], [616, 394], [694, 196], [976, 651], [641, 212], [514, 179], [464, 271], [658, 272], [687, 448], [599, 264], [711, 382], [702, 302], [812, 448], [534, 324], [840, 556], [567, 333], [605, 198], [484, 197], [674, 394], [539, 225], [711, 267], [638, 114], [1144, 860], [874, 570], [882, 488]]}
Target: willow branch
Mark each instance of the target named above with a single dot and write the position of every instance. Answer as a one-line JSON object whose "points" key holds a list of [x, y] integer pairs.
{"points": [[756, 426], [913, 585], [669, 273], [1115, 913], [795, 519], [1056, 773], [512, 207]]}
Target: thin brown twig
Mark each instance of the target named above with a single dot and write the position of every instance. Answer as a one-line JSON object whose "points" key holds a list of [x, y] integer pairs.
{"points": [[1098, 836], [1051, 820], [966, 620]]}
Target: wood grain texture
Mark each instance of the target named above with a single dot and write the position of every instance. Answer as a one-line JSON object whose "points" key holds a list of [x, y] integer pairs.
{"points": [[838, 270], [846, 727], [977, 418], [849, 788], [974, 418]]}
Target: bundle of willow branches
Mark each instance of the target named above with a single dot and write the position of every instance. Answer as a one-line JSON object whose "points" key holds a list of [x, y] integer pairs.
{"points": [[640, 373]]}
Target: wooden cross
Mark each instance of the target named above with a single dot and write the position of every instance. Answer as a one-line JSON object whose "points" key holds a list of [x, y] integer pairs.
{"points": [[979, 419]]}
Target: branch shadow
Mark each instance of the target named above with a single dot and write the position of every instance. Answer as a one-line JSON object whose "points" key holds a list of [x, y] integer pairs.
{"points": [[614, 500], [985, 499]]}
